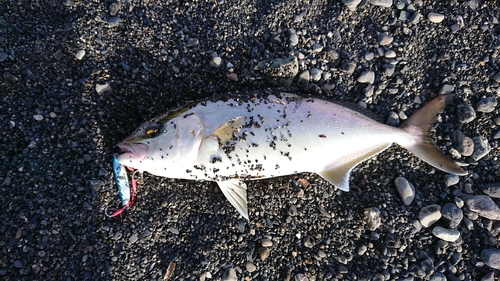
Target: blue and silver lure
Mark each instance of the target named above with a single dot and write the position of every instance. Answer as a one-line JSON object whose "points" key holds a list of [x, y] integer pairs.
{"points": [[123, 186]]}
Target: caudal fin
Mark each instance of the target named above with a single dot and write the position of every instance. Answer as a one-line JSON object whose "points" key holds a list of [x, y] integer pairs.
{"points": [[419, 126]]}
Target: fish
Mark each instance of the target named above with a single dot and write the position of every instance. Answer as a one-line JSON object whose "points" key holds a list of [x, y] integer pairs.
{"points": [[281, 134]]}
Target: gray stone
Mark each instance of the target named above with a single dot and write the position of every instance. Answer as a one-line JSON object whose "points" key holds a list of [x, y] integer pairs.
{"points": [[437, 276], [114, 8], [465, 113], [405, 190], [481, 148], [293, 39], [366, 77], [250, 267], [492, 190], [316, 74], [372, 218], [133, 238], [216, 61], [451, 179], [462, 143], [484, 206], [229, 275], [446, 89], [491, 257], [114, 21], [452, 214], [103, 88], [429, 215], [303, 81], [382, 3], [446, 234], [486, 105], [384, 39], [264, 253], [80, 54], [496, 78], [490, 276], [435, 17]]}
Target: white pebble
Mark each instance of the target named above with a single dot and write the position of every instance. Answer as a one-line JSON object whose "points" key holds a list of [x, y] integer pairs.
{"points": [[446, 234], [435, 17], [38, 117], [429, 215], [405, 190], [80, 54]]}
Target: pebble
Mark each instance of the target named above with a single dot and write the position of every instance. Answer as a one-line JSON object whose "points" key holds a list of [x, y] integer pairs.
{"points": [[229, 275], [384, 39], [481, 148], [382, 3], [80, 54], [114, 8], [351, 4], [216, 61], [58, 55], [366, 77], [490, 276], [496, 77], [114, 21], [10, 77], [438, 276], [264, 253], [390, 54], [369, 56], [316, 48], [316, 74], [38, 117], [484, 206], [293, 39], [492, 190], [429, 215], [3, 56], [405, 189], [451, 179], [133, 238], [266, 242], [465, 113], [486, 105], [18, 264], [446, 89], [250, 267], [452, 214], [103, 88], [348, 66], [372, 218], [435, 17], [491, 257], [462, 143], [303, 80]]}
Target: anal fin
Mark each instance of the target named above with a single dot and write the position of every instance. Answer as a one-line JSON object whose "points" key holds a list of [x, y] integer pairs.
{"points": [[337, 172], [236, 192]]}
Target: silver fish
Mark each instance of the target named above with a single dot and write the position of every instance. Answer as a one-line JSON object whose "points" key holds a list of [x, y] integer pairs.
{"points": [[231, 141]]}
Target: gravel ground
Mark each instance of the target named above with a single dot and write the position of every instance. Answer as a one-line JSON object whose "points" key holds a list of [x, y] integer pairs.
{"points": [[79, 76]]}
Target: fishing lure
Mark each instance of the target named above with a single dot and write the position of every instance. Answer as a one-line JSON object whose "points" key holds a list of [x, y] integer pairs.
{"points": [[122, 184]]}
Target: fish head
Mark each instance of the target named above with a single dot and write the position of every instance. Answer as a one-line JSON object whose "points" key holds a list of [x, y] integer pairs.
{"points": [[162, 144]]}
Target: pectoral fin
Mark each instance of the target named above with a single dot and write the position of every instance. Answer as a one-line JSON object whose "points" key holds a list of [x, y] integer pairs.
{"points": [[337, 173], [236, 192]]}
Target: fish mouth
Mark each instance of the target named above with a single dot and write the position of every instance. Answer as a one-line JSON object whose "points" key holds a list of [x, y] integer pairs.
{"points": [[137, 151]]}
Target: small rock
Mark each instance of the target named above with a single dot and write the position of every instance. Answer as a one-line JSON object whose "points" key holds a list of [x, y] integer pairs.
{"points": [[303, 81], [486, 105], [491, 257], [232, 76], [429, 215], [484, 206], [481, 148], [58, 55], [250, 267], [315, 74], [80, 54], [133, 238], [465, 113], [445, 234], [390, 54], [280, 71], [348, 66], [229, 275], [462, 143], [266, 242], [490, 276], [405, 190], [3, 56], [453, 214], [216, 61], [496, 78], [38, 117], [114, 8], [263, 253], [451, 179], [382, 3], [316, 48], [114, 21], [435, 17], [103, 88], [10, 77], [492, 190], [18, 264], [373, 218], [366, 77], [384, 39], [446, 89]]}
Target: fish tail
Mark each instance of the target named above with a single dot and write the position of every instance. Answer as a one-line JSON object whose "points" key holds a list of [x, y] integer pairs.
{"points": [[419, 126]]}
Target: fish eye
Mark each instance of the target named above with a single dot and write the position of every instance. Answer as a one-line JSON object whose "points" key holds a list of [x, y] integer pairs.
{"points": [[152, 131]]}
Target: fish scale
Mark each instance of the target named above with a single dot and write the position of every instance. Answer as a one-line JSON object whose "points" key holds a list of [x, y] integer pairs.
{"points": [[231, 141]]}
